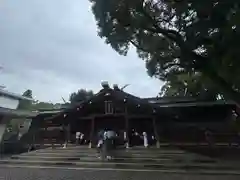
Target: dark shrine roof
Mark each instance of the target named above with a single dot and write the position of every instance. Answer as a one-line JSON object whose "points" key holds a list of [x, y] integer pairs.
{"points": [[117, 94], [155, 103]]}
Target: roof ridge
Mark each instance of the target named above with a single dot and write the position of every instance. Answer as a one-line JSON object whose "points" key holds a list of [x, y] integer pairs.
{"points": [[14, 95]]}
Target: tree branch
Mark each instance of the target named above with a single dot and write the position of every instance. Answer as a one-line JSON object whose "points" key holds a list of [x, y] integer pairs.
{"points": [[174, 36], [166, 32], [138, 47]]}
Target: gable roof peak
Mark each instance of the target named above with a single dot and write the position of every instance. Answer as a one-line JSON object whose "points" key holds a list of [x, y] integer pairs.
{"points": [[105, 85], [115, 87]]}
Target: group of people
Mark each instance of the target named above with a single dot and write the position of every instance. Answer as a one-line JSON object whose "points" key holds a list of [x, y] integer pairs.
{"points": [[141, 138], [80, 138], [107, 141]]}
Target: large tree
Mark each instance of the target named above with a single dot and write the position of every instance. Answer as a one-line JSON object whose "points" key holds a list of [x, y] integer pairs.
{"points": [[80, 95], [174, 36]]}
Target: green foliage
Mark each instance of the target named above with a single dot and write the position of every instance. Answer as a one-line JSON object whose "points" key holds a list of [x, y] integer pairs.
{"points": [[175, 37], [26, 104], [28, 93], [190, 85], [80, 95], [43, 105]]}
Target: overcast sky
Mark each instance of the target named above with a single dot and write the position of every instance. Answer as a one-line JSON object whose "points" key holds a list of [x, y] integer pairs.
{"points": [[52, 47]]}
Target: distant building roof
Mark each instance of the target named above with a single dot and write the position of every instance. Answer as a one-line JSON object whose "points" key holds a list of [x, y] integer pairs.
{"points": [[17, 113], [13, 95]]}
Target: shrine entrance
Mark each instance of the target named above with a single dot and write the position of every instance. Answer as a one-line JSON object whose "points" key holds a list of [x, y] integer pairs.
{"points": [[113, 122], [141, 125]]}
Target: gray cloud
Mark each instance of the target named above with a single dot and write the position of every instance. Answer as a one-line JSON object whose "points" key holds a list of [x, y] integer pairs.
{"points": [[52, 47]]}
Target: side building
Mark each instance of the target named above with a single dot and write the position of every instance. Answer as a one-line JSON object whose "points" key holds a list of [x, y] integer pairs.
{"points": [[8, 111]]}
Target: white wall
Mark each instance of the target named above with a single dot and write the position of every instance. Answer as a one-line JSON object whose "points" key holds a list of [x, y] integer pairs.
{"points": [[7, 102]]}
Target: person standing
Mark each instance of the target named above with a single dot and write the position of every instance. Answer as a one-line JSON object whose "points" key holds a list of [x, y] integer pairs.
{"points": [[81, 138], [78, 134], [209, 138], [153, 140], [99, 146], [145, 139], [109, 137]]}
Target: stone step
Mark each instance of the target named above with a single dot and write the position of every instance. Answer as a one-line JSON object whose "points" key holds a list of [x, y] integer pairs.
{"points": [[112, 165], [120, 147], [116, 159], [143, 151], [119, 154]]}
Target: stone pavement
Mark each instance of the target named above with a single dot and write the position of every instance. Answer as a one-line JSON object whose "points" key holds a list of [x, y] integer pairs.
{"points": [[64, 174], [134, 160]]}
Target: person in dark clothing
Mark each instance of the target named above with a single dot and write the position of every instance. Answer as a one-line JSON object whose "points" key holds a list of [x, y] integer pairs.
{"points": [[100, 134]]}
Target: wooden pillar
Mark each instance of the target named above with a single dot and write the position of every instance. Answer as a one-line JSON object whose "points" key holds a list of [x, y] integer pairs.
{"points": [[34, 139], [155, 129], [63, 135], [127, 130], [32, 143], [91, 136], [68, 134], [127, 127], [66, 129]]}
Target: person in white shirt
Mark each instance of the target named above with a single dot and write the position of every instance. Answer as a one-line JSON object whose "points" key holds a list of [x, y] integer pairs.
{"points": [[145, 140]]}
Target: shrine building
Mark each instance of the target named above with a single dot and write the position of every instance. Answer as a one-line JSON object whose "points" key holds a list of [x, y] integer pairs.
{"points": [[166, 118]]}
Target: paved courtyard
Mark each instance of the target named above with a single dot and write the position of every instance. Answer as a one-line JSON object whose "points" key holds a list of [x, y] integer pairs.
{"points": [[61, 174]]}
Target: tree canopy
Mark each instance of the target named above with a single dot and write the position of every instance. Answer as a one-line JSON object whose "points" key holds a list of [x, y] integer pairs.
{"points": [[80, 95], [190, 85], [177, 37]]}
